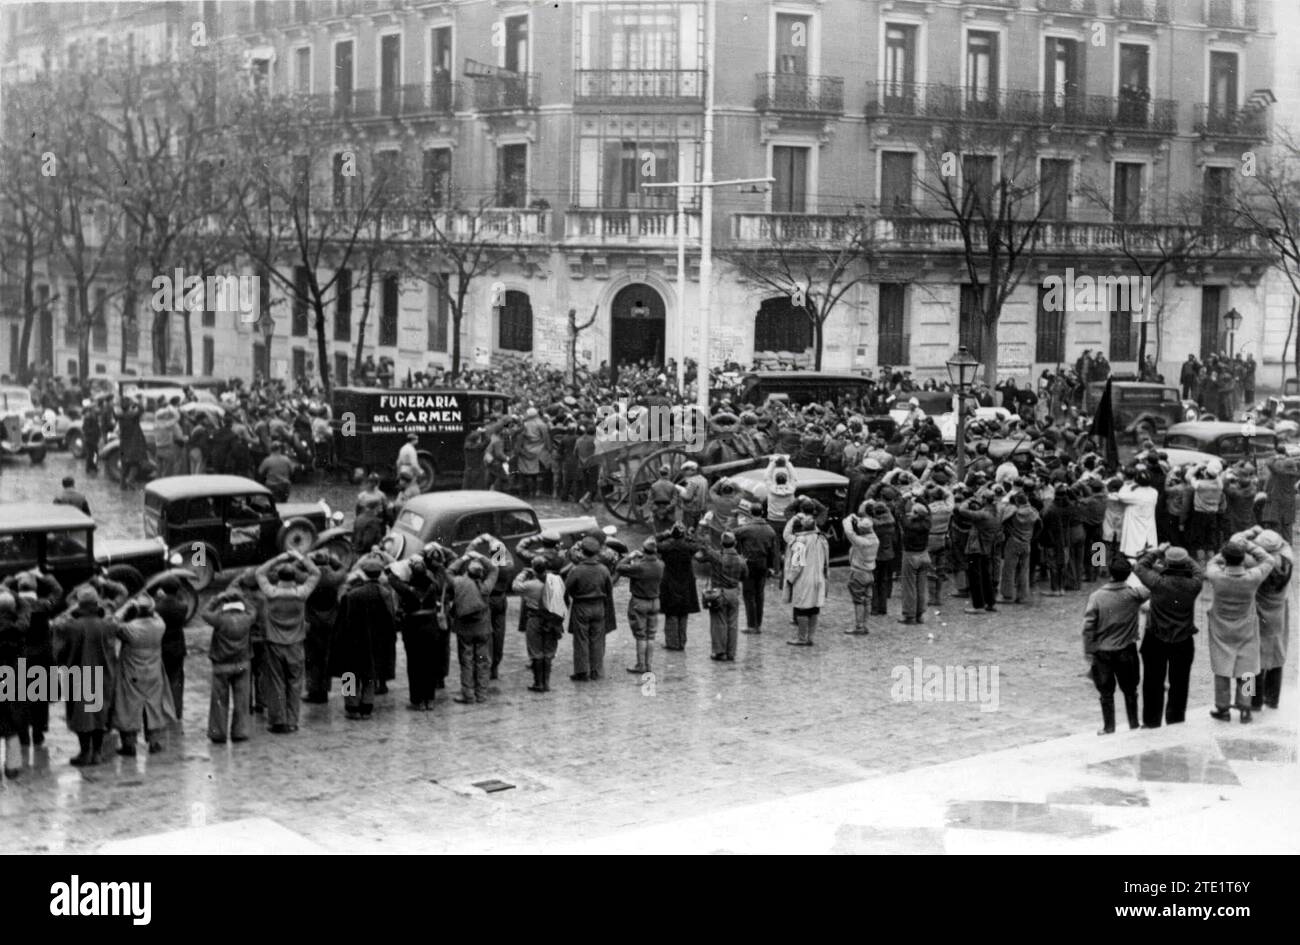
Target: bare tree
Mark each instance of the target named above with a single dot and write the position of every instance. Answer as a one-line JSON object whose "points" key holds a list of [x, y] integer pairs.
{"points": [[1269, 206], [815, 260]]}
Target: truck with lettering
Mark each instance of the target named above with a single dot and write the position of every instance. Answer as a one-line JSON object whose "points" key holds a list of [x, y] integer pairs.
{"points": [[371, 424]]}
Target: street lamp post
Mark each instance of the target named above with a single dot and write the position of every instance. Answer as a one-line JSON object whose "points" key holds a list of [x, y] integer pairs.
{"points": [[961, 373], [1233, 321], [267, 325]]}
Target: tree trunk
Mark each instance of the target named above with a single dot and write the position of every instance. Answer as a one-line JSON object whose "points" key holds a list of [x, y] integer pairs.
{"points": [[128, 322], [83, 336], [1142, 347], [322, 350], [189, 341], [29, 307], [989, 348], [818, 342], [365, 316], [571, 357], [160, 342], [455, 340]]}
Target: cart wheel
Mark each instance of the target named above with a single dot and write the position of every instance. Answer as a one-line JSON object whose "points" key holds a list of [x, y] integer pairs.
{"points": [[647, 471], [428, 472], [615, 488], [342, 549]]}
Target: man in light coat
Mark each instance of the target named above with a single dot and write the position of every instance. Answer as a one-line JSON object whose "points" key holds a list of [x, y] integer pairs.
{"points": [[1235, 574]]}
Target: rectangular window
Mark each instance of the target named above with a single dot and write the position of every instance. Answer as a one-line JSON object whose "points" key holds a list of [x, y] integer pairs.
{"points": [[790, 168], [896, 174], [388, 311], [1062, 79], [977, 185], [260, 75], [341, 370], [982, 73], [299, 364], [793, 32], [390, 73], [343, 77], [900, 65], [436, 173], [209, 356], [1054, 188], [969, 323], [516, 40], [343, 306], [208, 316], [440, 50], [388, 172], [629, 164], [1127, 204], [438, 316], [1123, 332], [512, 175], [1211, 328], [342, 182], [99, 327], [892, 340], [1134, 84], [130, 335], [72, 326], [1223, 85], [1049, 339], [1216, 195], [302, 69], [301, 295]]}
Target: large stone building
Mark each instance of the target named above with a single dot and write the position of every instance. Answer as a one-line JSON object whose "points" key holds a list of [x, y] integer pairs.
{"points": [[558, 113]]}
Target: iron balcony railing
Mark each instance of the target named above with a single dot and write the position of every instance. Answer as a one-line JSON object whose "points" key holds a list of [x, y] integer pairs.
{"points": [[792, 93], [439, 97], [1150, 11], [505, 92], [638, 85], [1082, 7], [1217, 120], [1127, 112], [1232, 14]]}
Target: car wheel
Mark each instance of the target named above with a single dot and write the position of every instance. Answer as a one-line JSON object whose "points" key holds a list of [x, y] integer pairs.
{"points": [[296, 536], [201, 560], [113, 466], [191, 598], [428, 472], [342, 549], [37, 454], [1209, 417], [76, 445], [126, 575]]}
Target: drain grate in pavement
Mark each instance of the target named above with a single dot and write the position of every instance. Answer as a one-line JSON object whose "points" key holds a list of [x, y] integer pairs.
{"points": [[493, 786]]}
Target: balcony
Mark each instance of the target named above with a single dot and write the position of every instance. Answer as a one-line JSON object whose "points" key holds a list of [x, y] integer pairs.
{"points": [[930, 234], [1078, 7], [506, 92], [1146, 11], [1127, 113], [638, 86], [1232, 14], [628, 227], [496, 225], [793, 94], [1218, 121]]}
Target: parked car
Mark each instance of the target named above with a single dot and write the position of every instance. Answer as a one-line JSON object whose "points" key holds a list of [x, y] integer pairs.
{"points": [[61, 541], [18, 437], [457, 517], [828, 488], [371, 424], [1201, 440], [217, 522], [1141, 409], [61, 429], [1274, 409]]}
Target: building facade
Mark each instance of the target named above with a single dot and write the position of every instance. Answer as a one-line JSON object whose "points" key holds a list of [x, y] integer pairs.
{"points": [[557, 114]]}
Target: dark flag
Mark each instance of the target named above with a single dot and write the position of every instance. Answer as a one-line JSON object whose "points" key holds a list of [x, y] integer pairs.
{"points": [[1103, 427]]}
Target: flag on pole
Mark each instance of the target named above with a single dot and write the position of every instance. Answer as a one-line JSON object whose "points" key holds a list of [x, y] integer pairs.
{"points": [[1103, 427]]}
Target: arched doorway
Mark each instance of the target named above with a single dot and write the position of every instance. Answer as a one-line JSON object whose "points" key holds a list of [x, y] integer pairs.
{"points": [[637, 325]]}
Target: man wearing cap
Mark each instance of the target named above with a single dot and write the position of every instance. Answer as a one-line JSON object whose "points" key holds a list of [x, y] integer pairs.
{"points": [[87, 642], [645, 572], [1110, 632], [1020, 526], [322, 610], [70, 496], [230, 651], [141, 693], [863, 548], [694, 492], [286, 631], [1232, 622], [678, 596], [531, 450], [981, 539], [663, 500], [756, 542], [363, 623], [472, 623], [408, 457], [276, 472], [727, 571], [1175, 581], [590, 591], [915, 536]]}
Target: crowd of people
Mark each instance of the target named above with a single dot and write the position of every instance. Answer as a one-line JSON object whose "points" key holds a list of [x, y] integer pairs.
{"points": [[923, 531]]}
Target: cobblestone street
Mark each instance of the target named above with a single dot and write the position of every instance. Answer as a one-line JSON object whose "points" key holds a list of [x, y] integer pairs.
{"points": [[588, 759]]}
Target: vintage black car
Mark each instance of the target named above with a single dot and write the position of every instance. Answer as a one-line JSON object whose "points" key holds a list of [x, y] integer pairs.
{"points": [[217, 522], [371, 424], [1142, 410], [800, 388], [1202, 440], [18, 435], [61, 541]]}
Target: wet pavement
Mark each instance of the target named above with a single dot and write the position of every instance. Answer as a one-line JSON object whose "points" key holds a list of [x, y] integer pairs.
{"points": [[787, 748]]}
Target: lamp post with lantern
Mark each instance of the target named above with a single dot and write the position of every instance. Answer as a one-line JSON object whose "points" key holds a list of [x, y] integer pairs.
{"points": [[1232, 321], [962, 369]]}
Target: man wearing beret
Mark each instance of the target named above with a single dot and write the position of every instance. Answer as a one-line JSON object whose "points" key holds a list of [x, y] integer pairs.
{"points": [[589, 590]]}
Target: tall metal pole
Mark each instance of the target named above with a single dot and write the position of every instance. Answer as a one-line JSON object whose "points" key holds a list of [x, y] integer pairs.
{"points": [[680, 342], [706, 209], [961, 433]]}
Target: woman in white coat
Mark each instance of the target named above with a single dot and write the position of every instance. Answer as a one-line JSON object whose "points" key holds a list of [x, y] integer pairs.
{"points": [[1139, 498]]}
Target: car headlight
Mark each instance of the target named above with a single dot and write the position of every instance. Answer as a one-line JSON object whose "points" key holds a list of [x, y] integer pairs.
{"points": [[176, 561], [610, 529], [337, 518]]}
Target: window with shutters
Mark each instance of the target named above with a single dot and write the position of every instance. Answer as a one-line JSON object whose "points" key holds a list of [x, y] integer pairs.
{"points": [[1123, 331], [436, 174], [389, 298], [438, 315], [896, 178], [893, 341], [343, 306], [301, 294], [515, 322], [512, 175], [99, 327], [790, 170], [1054, 187], [969, 322], [1049, 337]]}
